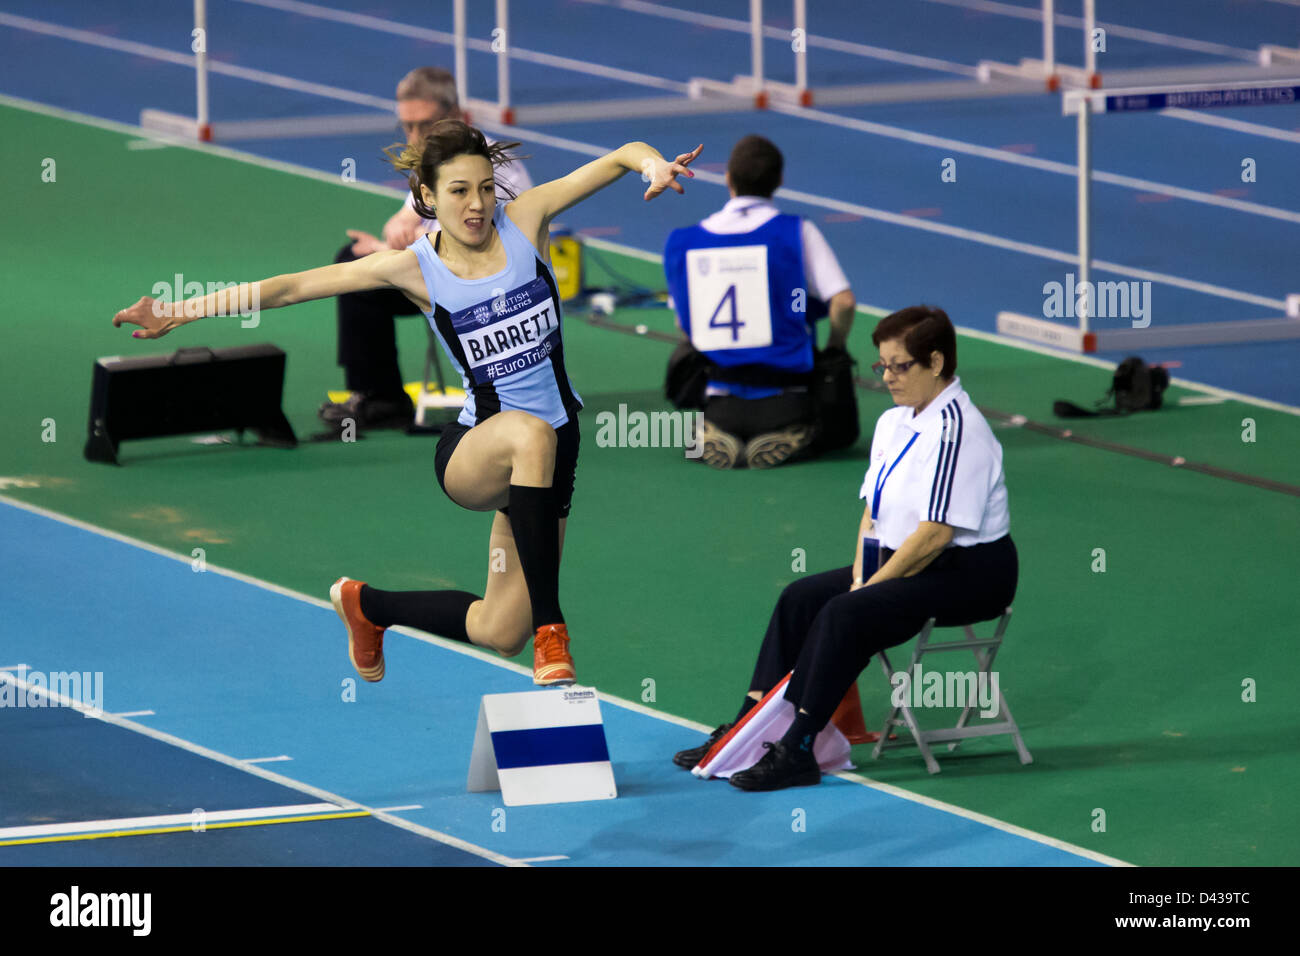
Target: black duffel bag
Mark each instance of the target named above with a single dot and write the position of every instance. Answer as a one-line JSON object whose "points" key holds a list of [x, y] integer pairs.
{"points": [[1135, 387], [688, 376], [835, 399]]}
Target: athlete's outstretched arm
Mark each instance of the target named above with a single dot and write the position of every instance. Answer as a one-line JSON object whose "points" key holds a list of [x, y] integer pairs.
{"points": [[376, 271], [542, 203]]}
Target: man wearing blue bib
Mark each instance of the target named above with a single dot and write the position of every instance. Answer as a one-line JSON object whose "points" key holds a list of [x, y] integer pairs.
{"points": [[747, 284]]}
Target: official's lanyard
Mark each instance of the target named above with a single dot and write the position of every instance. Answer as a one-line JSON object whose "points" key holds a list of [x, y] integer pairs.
{"points": [[884, 476]]}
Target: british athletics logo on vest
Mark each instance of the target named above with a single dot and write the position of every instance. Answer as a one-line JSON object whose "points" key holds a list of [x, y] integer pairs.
{"points": [[509, 333]]}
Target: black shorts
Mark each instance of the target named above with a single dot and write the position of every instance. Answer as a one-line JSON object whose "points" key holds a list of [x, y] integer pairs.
{"points": [[566, 460]]}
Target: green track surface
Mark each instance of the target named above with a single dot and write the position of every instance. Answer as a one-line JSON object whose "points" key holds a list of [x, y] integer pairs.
{"points": [[1127, 684]]}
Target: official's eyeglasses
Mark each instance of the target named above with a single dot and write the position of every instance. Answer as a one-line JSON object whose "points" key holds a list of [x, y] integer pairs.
{"points": [[898, 368], [424, 129]]}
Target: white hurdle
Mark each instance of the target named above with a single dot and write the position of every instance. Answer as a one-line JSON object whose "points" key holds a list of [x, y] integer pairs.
{"points": [[1084, 337], [698, 96], [756, 86], [1047, 70], [203, 125]]}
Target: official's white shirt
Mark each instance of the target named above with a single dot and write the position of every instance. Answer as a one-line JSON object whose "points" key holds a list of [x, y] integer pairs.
{"points": [[821, 269], [951, 473], [511, 174]]}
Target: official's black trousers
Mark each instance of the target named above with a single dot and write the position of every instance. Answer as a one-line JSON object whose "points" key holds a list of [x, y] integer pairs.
{"points": [[367, 339], [827, 635]]}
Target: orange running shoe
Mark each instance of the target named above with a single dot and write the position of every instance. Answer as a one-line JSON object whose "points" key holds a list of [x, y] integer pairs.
{"points": [[365, 641], [552, 664]]}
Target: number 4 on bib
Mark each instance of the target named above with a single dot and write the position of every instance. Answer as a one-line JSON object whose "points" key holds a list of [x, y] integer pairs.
{"points": [[729, 298]]}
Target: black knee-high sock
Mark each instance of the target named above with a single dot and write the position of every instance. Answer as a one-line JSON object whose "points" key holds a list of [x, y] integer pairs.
{"points": [[535, 523], [803, 731], [436, 612]]}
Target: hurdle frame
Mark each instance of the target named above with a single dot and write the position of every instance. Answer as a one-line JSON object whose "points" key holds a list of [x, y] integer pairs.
{"points": [[1082, 103], [698, 96], [1047, 70]]}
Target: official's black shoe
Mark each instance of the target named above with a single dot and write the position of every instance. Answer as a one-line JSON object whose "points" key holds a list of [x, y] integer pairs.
{"points": [[687, 759], [780, 767]]}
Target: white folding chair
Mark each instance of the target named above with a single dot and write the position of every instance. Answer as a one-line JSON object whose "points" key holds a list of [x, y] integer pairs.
{"points": [[985, 650]]}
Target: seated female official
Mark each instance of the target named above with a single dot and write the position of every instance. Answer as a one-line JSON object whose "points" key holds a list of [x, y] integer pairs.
{"points": [[936, 499]]}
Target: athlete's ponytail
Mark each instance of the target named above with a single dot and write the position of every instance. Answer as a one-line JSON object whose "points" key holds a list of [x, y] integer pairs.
{"points": [[450, 138]]}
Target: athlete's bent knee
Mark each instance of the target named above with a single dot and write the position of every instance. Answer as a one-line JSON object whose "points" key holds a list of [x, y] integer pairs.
{"points": [[506, 642], [531, 435], [513, 646]]}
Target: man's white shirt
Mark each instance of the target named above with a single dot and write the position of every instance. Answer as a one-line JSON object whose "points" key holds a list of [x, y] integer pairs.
{"points": [[943, 465], [821, 269]]}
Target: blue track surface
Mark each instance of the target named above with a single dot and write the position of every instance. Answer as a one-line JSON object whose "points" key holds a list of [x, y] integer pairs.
{"points": [[889, 265], [250, 673]]}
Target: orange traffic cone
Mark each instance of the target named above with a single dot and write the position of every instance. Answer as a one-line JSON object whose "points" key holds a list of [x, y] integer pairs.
{"points": [[848, 718]]}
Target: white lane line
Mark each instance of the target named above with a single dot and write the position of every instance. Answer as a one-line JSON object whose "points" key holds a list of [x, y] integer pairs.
{"points": [[136, 713], [225, 152], [776, 33], [1237, 126], [280, 759], [1113, 29], [1217, 394], [495, 662], [1033, 162], [972, 235], [541, 859], [990, 821], [863, 126], [409, 806], [381, 25], [181, 59], [320, 794], [166, 820], [1212, 390], [587, 149]]}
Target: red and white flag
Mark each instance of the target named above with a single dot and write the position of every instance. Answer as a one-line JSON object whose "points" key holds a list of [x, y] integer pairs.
{"points": [[742, 747]]}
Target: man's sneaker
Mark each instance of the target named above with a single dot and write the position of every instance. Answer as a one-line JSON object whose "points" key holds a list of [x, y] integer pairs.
{"points": [[780, 767], [719, 449], [773, 448], [365, 641], [552, 664], [368, 411], [687, 759]]}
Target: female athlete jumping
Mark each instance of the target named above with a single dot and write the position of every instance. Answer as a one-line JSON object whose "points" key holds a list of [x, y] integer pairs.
{"points": [[484, 282]]}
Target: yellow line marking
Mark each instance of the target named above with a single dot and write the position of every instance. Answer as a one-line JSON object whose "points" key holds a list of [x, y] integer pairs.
{"points": [[188, 829]]}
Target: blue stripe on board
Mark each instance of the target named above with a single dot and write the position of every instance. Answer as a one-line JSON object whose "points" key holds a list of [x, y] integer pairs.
{"points": [[546, 746]]}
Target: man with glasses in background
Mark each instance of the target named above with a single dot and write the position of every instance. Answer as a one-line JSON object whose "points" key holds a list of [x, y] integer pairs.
{"points": [[367, 330]]}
